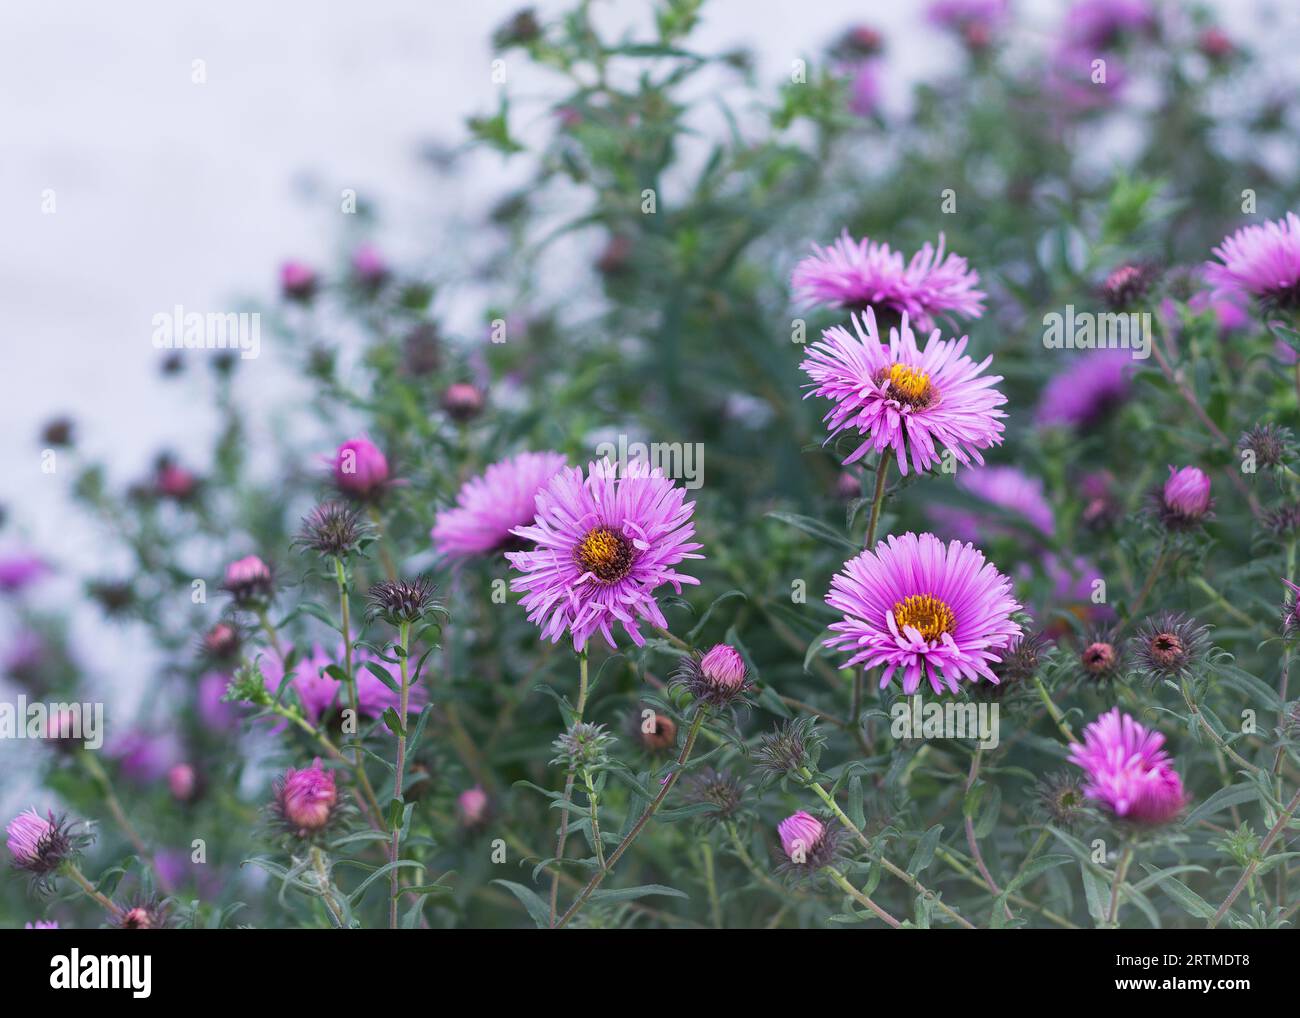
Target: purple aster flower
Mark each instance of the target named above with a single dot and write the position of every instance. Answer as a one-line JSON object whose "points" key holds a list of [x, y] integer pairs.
{"points": [[1185, 498], [19, 571], [490, 506], [145, 758], [934, 611], [1005, 487], [961, 15], [905, 398], [42, 924], [368, 266], [298, 281], [1127, 770], [360, 468], [321, 694], [866, 274], [1261, 262], [1101, 24], [1085, 393], [864, 89], [215, 714], [605, 543], [42, 844]]}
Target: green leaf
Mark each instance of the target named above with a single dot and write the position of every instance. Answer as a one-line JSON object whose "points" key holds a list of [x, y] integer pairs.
{"points": [[531, 900], [924, 854]]}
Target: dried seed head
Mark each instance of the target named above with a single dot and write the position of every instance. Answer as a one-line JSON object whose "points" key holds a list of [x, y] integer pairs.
{"points": [[401, 602], [333, 530]]}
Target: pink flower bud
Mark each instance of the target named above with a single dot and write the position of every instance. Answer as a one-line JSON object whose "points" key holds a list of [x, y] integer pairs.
{"points": [[183, 782], [305, 799], [368, 265], [473, 803], [1187, 493], [297, 281], [462, 401], [800, 835], [249, 579], [360, 468], [26, 832], [175, 482], [724, 667]]}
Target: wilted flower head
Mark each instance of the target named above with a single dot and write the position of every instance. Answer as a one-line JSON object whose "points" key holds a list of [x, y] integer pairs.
{"points": [[718, 789], [1061, 799], [866, 274], [1185, 499], [1021, 660], [658, 733], [360, 468], [403, 601], [298, 281], [603, 545], [1126, 285], [473, 806], [1083, 394], [1101, 657], [584, 745], [489, 507], [903, 398], [1261, 262], [717, 677], [333, 530], [1127, 771], [249, 581], [788, 747], [41, 844], [305, 800], [1169, 645], [926, 609], [1270, 444]]}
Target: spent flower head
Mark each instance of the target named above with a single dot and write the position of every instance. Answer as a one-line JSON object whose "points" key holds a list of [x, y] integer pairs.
{"points": [[584, 746], [791, 746], [1169, 646], [403, 602], [334, 530]]}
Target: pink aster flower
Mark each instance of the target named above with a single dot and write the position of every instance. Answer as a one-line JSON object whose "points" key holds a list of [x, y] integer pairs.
{"points": [[368, 265], [962, 14], [604, 544], [321, 694], [490, 506], [1083, 394], [298, 280], [901, 397], [472, 804], [1102, 24], [19, 571], [360, 468], [305, 800], [1261, 262], [866, 274], [1006, 488], [1127, 770], [42, 924], [800, 835], [26, 834], [931, 610]]}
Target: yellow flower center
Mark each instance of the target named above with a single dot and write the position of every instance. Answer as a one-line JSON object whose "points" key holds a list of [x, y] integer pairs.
{"points": [[909, 385], [928, 615], [605, 553]]}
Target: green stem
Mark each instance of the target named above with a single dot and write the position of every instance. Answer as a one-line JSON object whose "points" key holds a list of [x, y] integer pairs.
{"points": [[1054, 711], [79, 878], [1218, 740], [97, 772], [1152, 576], [639, 826], [354, 701], [562, 836], [861, 898], [711, 883], [973, 842], [877, 500], [326, 888], [593, 808], [395, 847], [1121, 871], [900, 873], [1264, 846]]}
